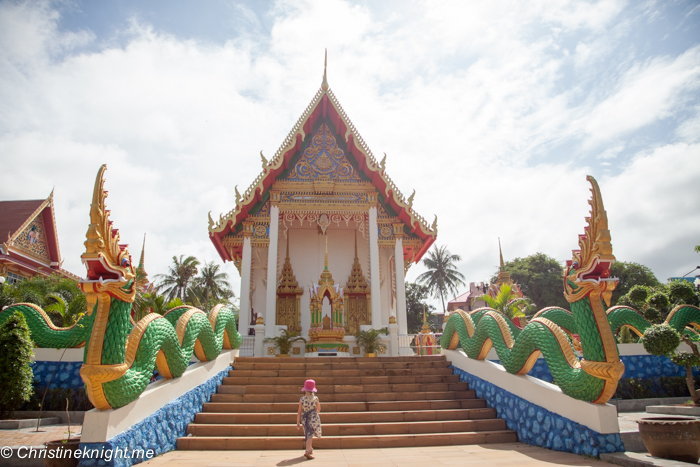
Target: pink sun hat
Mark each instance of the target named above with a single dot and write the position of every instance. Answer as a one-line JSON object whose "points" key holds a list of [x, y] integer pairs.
{"points": [[309, 385]]}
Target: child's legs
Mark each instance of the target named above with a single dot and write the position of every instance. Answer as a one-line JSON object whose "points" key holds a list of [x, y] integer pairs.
{"points": [[309, 440]]}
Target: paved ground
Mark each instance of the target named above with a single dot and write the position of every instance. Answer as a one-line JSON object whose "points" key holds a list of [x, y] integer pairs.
{"points": [[511, 454], [30, 437], [628, 421], [488, 455]]}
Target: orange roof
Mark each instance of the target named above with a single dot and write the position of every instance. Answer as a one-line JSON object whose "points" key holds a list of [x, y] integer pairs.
{"points": [[323, 105]]}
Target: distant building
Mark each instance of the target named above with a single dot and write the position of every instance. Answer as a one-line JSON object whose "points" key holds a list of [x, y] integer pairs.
{"points": [[466, 301], [31, 245]]}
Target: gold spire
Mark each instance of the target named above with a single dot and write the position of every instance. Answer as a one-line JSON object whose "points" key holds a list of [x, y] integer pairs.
{"points": [[500, 252], [288, 282], [143, 248], [324, 84], [325, 259], [425, 329], [356, 284], [503, 275], [355, 244]]}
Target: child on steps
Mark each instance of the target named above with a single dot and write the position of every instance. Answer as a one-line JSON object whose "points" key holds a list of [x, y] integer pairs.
{"points": [[307, 416]]}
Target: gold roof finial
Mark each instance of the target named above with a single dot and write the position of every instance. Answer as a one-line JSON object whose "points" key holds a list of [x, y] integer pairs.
{"points": [[324, 84], [325, 260]]}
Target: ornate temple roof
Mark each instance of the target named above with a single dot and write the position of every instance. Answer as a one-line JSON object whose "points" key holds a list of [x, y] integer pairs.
{"points": [[28, 238], [323, 105]]}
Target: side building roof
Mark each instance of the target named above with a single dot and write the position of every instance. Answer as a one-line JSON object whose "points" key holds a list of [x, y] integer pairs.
{"points": [[28, 237]]}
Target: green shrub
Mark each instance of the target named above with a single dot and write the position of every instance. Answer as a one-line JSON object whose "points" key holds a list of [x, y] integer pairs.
{"points": [[660, 339], [638, 294], [649, 388], [682, 293], [15, 364], [685, 359], [56, 399], [652, 315], [659, 301]]}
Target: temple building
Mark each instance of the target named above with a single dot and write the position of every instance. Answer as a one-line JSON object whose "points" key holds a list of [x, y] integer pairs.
{"points": [[322, 238], [31, 245]]}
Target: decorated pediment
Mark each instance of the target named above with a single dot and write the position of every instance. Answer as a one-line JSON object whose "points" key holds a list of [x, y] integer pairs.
{"points": [[323, 162], [33, 240]]}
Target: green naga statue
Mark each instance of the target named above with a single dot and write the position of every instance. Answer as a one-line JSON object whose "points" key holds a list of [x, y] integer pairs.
{"points": [[550, 333], [120, 354]]}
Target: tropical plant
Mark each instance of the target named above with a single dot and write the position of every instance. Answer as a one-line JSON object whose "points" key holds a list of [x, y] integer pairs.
{"points": [[441, 278], [506, 302], [285, 340], [416, 296], [180, 275], [156, 303], [539, 277], [369, 340], [15, 364], [213, 282], [59, 296], [662, 339]]}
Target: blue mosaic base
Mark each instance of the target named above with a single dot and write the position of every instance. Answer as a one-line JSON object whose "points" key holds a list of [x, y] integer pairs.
{"points": [[160, 430], [636, 366], [67, 374], [538, 426]]}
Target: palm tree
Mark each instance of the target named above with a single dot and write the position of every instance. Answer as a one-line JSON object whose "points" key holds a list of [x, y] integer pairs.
{"points": [[441, 278], [180, 274], [506, 302], [212, 284]]}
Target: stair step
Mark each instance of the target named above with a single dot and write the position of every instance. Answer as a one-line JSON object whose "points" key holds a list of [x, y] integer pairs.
{"points": [[344, 429], [407, 358], [235, 378], [346, 388], [366, 403], [344, 373], [346, 417], [387, 406], [206, 443], [338, 366], [348, 397]]}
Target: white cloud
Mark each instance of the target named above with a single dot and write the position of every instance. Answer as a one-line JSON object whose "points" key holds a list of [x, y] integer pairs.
{"points": [[646, 93], [461, 96]]}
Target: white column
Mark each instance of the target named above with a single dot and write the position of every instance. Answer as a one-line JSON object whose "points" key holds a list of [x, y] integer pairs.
{"points": [[246, 264], [374, 269], [258, 347], [400, 286], [393, 340], [271, 291]]}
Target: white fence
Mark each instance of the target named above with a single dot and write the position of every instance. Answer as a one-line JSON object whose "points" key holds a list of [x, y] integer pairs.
{"points": [[246, 349], [407, 345]]}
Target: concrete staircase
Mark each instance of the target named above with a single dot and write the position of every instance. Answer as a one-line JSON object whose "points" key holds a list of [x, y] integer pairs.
{"points": [[365, 403]]}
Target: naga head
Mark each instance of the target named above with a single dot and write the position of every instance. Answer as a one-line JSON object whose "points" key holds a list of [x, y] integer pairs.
{"points": [[108, 263], [589, 270]]}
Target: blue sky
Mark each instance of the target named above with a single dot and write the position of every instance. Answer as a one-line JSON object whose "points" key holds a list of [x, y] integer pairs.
{"points": [[493, 111]]}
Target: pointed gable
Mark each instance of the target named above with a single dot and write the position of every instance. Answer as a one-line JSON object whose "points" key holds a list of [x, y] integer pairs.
{"points": [[29, 242], [321, 148]]}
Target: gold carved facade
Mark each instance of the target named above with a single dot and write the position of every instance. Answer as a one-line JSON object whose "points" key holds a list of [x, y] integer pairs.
{"points": [[288, 298]]}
